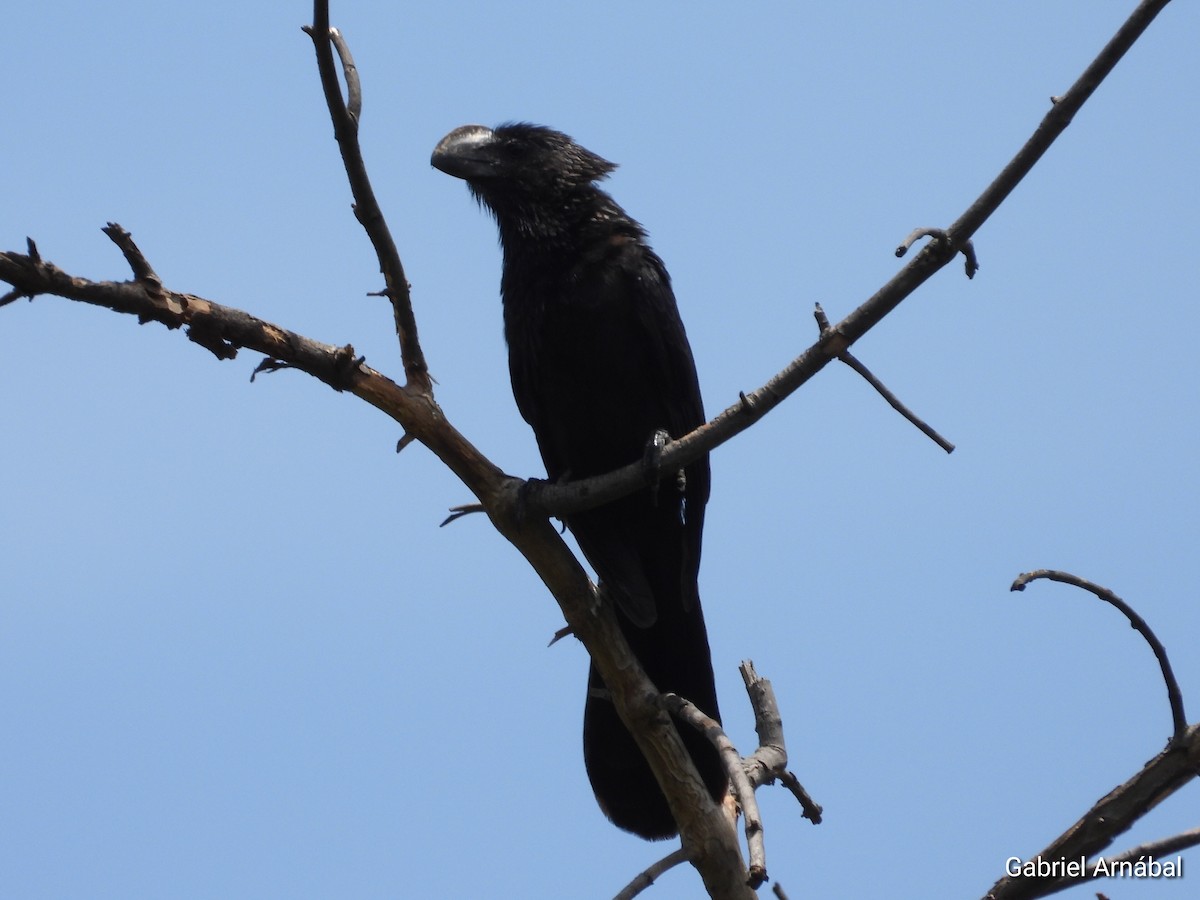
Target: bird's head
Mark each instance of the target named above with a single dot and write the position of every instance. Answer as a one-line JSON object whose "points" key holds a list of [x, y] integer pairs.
{"points": [[518, 163]]}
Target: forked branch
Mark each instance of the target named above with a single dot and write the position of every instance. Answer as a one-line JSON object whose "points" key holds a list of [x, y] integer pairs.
{"points": [[345, 116], [561, 499]]}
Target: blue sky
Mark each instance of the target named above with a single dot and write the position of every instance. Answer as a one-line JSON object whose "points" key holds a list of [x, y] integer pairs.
{"points": [[238, 658]]}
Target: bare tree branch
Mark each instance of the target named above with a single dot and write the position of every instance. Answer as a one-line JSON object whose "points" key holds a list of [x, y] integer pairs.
{"points": [[1152, 850], [366, 207], [648, 876], [853, 362], [1111, 816], [708, 839], [769, 762], [738, 782], [1055, 122], [561, 499], [1174, 696], [520, 516], [1115, 813]]}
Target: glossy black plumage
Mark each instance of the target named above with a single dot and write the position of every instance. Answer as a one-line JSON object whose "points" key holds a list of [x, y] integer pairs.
{"points": [[599, 361]]}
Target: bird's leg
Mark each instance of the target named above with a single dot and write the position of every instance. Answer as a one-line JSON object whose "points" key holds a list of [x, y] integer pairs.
{"points": [[652, 460], [527, 489], [531, 486]]}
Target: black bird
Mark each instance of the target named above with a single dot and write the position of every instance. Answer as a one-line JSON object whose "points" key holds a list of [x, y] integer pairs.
{"points": [[600, 362]]}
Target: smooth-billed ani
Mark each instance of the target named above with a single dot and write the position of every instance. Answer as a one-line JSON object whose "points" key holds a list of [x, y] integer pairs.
{"points": [[600, 362]]}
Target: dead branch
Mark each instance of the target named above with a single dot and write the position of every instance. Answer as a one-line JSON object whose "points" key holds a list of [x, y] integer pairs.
{"points": [[712, 844], [650, 874], [1111, 816], [853, 362], [738, 782], [366, 207], [562, 499], [746, 775], [769, 762], [1115, 813], [1174, 696], [1152, 850], [559, 500]]}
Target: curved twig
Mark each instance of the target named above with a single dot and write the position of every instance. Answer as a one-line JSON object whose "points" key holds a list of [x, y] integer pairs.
{"points": [[1174, 695], [458, 512], [971, 264], [366, 207], [350, 71], [649, 875]]}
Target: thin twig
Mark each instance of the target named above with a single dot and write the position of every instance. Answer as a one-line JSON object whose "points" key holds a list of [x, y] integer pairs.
{"points": [[1161, 847], [268, 366], [142, 270], [1151, 850], [854, 363], [1174, 695], [811, 810], [33, 261], [457, 512], [971, 264], [366, 207], [648, 876], [350, 72], [1104, 866], [1055, 122]]}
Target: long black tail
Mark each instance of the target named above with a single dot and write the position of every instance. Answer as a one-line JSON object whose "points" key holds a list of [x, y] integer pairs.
{"points": [[674, 652]]}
